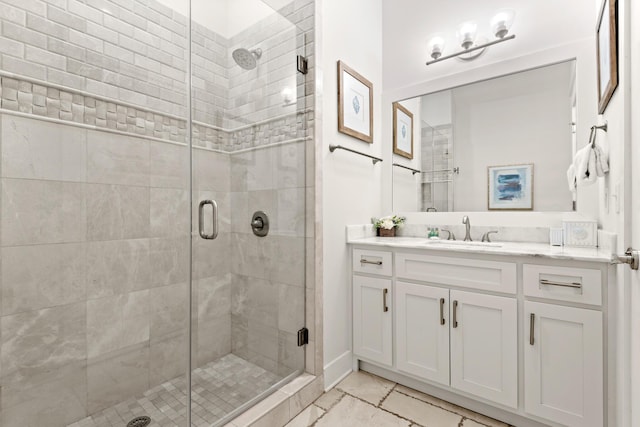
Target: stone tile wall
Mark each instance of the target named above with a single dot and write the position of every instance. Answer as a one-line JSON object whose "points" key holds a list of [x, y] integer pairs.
{"points": [[131, 51], [93, 219]]}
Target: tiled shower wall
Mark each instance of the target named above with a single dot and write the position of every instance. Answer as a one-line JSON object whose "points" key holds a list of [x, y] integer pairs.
{"points": [[94, 259]]}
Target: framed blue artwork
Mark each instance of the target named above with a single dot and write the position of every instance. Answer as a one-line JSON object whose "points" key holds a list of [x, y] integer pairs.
{"points": [[511, 187]]}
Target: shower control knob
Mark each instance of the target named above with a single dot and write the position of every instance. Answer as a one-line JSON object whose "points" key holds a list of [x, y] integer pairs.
{"points": [[260, 224]]}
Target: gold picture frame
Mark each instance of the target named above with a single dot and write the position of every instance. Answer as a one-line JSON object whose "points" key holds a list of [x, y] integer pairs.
{"points": [[402, 131], [355, 104], [607, 52]]}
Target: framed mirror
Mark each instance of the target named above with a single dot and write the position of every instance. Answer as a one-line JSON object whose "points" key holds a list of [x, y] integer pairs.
{"points": [[464, 133]]}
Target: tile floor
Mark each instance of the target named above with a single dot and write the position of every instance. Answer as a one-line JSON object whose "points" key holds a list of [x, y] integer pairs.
{"points": [[363, 399], [218, 388]]}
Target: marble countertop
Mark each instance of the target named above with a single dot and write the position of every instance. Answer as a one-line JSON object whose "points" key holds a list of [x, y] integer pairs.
{"points": [[495, 248]]}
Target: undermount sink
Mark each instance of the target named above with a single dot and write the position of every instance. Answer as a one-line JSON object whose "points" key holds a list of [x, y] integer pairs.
{"points": [[462, 243]]}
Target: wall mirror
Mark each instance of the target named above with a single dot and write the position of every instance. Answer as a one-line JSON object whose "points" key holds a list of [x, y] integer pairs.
{"points": [[484, 145]]}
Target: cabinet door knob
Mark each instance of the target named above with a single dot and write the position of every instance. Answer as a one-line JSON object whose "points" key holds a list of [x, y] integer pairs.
{"points": [[455, 314], [385, 291], [442, 311], [532, 320]]}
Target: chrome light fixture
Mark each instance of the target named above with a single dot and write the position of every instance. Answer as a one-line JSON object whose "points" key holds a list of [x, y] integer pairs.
{"points": [[467, 36]]}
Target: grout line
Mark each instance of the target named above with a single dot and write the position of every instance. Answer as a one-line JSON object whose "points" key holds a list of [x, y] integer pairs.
{"points": [[429, 403], [326, 411], [387, 395], [378, 407]]}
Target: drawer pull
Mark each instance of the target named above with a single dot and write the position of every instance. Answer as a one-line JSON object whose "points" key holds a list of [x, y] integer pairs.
{"points": [[574, 285], [532, 320], [385, 291], [455, 314], [442, 311], [366, 261]]}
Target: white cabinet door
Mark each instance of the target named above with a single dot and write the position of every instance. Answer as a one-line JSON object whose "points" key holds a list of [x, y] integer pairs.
{"points": [[484, 346], [564, 364], [372, 319], [422, 331]]}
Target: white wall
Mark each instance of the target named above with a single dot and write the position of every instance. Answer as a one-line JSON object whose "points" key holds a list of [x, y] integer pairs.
{"points": [[406, 189], [350, 183], [518, 119], [437, 111]]}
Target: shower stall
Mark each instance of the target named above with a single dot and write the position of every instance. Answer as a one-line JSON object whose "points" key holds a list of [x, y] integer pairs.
{"points": [[138, 139]]}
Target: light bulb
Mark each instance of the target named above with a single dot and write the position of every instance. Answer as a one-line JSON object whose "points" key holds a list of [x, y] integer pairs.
{"points": [[287, 95], [436, 46], [467, 34], [501, 22]]}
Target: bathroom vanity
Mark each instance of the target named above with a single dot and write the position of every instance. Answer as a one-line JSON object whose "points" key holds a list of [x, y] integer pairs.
{"points": [[517, 331]]}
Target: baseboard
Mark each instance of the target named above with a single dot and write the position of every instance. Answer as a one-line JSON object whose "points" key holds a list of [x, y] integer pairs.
{"points": [[337, 369]]}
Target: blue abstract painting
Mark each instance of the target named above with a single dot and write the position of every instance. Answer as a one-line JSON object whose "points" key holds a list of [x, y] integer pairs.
{"points": [[511, 187]]}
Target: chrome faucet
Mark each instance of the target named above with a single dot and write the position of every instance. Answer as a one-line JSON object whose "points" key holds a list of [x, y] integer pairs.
{"points": [[467, 236]]}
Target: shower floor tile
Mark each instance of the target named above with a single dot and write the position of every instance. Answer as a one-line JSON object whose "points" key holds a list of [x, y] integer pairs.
{"points": [[218, 388]]}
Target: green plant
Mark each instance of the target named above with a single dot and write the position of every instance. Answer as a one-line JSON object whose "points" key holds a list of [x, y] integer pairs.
{"points": [[388, 222]]}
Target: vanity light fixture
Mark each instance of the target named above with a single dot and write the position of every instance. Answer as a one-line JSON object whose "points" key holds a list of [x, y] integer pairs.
{"points": [[467, 36]]}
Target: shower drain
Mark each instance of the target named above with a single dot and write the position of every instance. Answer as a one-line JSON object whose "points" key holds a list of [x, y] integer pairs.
{"points": [[139, 422]]}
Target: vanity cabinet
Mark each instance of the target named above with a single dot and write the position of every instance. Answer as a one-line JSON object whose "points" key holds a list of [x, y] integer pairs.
{"points": [[372, 316], [465, 340], [522, 335], [563, 364], [563, 351]]}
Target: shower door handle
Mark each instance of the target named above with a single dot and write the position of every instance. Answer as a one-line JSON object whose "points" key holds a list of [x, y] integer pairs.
{"points": [[214, 207]]}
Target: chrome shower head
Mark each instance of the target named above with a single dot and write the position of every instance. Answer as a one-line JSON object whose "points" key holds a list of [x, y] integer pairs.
{"points": [[246, 58]]}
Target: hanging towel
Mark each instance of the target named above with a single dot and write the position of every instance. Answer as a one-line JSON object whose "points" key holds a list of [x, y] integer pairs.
{"points": [[571, 178], [601, 151], [585, 166]]}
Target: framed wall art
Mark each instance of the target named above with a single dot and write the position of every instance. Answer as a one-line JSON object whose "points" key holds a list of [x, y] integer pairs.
{"points": [[355, 104], [607, 50], [402, 131], [511, 187]]}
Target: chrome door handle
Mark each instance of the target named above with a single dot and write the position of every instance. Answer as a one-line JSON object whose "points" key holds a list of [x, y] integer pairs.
{"points": [[562, 284], [532, 319], [455, 314], [214, 232], [366, 261]]}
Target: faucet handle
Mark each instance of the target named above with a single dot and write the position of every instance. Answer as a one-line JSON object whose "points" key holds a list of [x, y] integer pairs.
{"points": [[450, 235], [485, 236]]}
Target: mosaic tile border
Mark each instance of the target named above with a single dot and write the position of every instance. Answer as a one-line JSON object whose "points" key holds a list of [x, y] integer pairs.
{"points": [[39, 99]]}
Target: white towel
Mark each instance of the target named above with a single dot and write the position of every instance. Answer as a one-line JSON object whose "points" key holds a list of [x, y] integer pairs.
{"points": [[585, 166], [571, 178], [601, 151]]}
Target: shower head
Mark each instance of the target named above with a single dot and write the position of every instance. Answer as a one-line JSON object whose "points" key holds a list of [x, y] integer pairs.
{"points": [[246, 58]]}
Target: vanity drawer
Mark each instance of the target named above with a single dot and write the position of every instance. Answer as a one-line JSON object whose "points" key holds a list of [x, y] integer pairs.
{"points": [[469, 273], [372, 262], [581, 285]]}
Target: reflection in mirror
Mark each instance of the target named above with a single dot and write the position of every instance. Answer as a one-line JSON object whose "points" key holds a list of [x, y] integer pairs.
{"points": [[522, 118]]}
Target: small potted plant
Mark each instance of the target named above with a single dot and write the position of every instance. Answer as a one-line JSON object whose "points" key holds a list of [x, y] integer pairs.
{"points": [[386, 226]]}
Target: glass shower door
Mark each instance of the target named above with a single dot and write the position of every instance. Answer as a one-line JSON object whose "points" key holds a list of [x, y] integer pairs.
{"points": [[95, 215], [248, 151]]}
